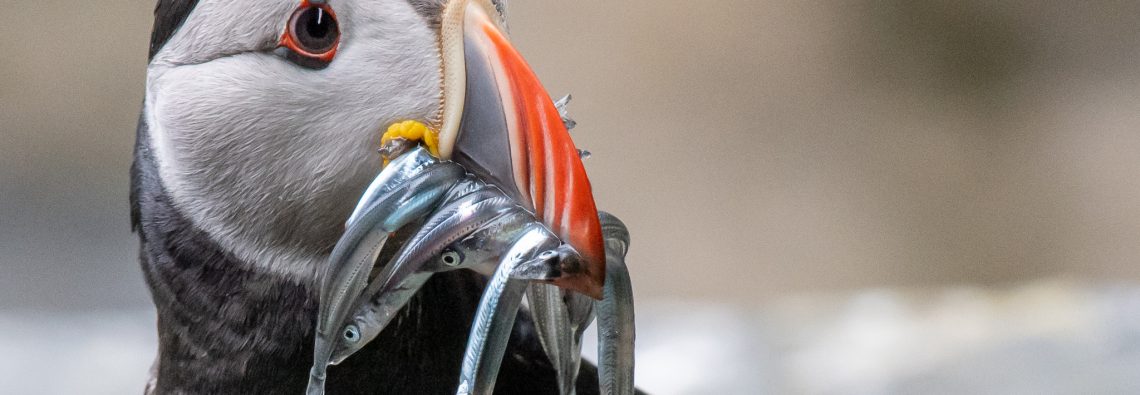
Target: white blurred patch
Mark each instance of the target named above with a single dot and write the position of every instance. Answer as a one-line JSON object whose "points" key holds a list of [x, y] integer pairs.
{"points": [[693, 348], [69, 353], [1046, 337]]}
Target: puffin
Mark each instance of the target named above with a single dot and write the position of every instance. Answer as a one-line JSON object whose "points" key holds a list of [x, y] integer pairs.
{"points": [[259, 130]]}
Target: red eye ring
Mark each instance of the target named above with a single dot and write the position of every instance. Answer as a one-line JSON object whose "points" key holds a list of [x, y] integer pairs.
{"points": [[312, 33]]}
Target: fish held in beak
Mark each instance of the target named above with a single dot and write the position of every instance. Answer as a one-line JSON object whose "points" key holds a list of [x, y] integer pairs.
{"points": [[499, 123]]}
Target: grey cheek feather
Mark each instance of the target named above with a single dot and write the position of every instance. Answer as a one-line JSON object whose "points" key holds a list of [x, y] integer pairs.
{"points": [[268, 157]]}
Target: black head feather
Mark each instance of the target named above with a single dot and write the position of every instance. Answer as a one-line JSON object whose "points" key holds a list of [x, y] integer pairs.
{"points": [[168, 16]]}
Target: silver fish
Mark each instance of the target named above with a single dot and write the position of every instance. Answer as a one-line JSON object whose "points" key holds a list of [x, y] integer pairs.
{"points": [[532, 253], [403, 192], [616, 331], [475, 209]]}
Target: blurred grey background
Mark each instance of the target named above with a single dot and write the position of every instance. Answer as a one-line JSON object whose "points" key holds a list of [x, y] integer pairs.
{"points": [[759, 151]]}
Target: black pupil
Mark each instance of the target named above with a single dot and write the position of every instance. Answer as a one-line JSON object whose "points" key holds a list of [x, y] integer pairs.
{"points": [[316, 30], [449, 259], [349, 334]]}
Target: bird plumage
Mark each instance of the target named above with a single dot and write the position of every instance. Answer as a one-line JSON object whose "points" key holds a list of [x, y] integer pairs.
{"points": [[244, 172]]}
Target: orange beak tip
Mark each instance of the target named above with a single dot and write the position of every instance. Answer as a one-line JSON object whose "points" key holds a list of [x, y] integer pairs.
{"points": [[499, 123]]}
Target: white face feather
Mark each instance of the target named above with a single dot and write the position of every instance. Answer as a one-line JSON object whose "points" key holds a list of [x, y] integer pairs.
{"points": [[266, 156]]}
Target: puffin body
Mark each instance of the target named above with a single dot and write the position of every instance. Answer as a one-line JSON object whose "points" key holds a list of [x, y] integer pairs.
{"points": [[258, 132]]}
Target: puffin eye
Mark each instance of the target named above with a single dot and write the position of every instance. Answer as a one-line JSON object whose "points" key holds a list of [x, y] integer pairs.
{"points": [[312, 35]]}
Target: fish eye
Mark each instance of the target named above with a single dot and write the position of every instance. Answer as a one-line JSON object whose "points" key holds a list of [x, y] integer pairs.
{"points": [[451, 258], [312, 35], [352, 333], [549, 256]]}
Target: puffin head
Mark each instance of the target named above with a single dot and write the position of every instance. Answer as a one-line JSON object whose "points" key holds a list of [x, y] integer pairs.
{"points": [[265, 116]]}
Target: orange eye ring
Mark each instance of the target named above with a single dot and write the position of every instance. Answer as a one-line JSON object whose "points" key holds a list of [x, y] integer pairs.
{"points": [[312, 34]]}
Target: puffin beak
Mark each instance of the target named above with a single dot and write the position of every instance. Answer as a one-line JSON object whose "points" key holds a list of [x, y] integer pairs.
{"points": [[500, 123]]}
